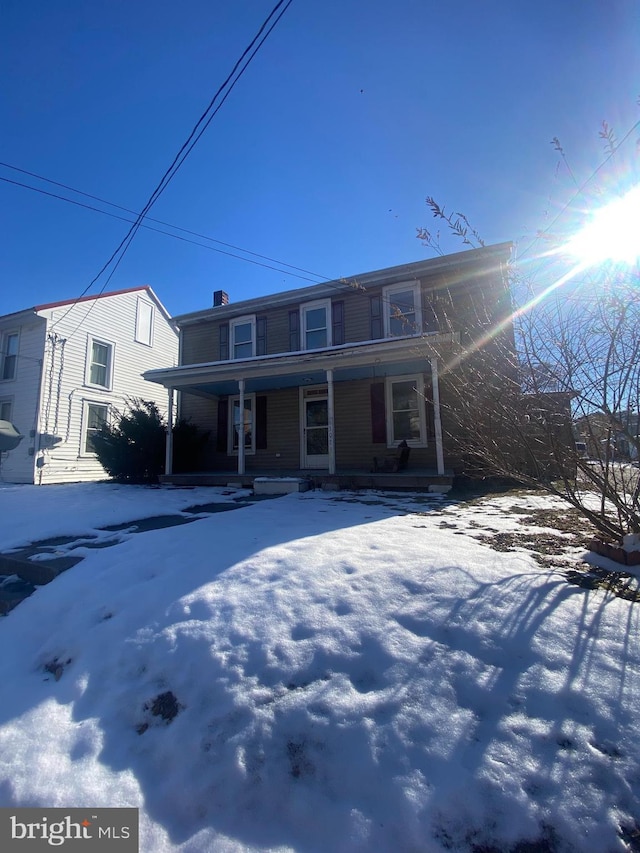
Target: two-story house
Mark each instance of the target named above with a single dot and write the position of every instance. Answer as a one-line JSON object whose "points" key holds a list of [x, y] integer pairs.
{"points": [[325, 379], [66, 367]]}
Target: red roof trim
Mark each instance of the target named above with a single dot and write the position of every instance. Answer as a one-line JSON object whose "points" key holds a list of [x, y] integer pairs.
{"points": [[89, 298]]}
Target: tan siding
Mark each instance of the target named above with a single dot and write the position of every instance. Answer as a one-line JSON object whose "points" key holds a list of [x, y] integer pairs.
{"points": [[354, 445], [283, 433], [200, 343], [477, 300], [357, 320], [355, 449], [277, 329]]}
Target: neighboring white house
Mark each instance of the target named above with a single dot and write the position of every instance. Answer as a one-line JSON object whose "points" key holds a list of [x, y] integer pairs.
{"points": [[66, 367]]}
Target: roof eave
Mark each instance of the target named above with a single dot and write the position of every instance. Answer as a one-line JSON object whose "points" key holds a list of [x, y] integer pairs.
{"points": [[388, 275]]}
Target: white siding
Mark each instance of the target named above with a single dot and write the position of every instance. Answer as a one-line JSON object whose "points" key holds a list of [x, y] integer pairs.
{"points": [[66, 387], [22, 391], [51, 388]]}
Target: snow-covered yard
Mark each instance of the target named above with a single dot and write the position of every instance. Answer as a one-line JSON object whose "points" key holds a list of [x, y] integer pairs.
{"points": [[321, 672]]}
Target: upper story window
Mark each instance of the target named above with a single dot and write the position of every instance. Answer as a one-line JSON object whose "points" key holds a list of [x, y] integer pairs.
{"points": [[315, 322], [242, 335], [9, 365], [402, 309], [99, 363], [144, 322]]}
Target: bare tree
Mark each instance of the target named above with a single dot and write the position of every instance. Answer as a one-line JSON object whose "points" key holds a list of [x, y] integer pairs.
{"points": [[561, 409]]}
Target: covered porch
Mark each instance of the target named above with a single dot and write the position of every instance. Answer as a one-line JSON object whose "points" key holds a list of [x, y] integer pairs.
{"points": [[324, 418]]}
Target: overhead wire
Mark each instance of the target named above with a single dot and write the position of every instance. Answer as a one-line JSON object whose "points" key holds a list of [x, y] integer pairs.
{"points": [[201, 125], [175, 236], [337, 283], [148, 218]]}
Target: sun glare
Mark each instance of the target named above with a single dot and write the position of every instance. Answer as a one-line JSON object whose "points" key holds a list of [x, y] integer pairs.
{"points": [[612, 234]]}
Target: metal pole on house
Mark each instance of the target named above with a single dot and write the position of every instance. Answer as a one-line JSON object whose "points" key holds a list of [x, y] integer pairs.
{"points": [[437, 420], [168, 461], [331, 423], [241, 428]]}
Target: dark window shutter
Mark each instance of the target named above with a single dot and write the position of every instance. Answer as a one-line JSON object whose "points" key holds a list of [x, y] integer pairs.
{"points": [[378, 420], [428, 404], [337, 323], [223, 417], [261, 423], [224, 341], [294, 331], [376, 317], [261, 336]]}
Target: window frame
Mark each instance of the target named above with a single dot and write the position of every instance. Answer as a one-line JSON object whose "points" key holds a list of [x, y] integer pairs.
{"points": [[84, 436], [305, 308], [387, 301], [91, 340], [418, 382], [8, 335], [248, 319], [138, 337], [233, 399]]}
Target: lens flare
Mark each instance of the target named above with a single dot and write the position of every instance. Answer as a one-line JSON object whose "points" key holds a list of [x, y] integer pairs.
{"points": [[612, 234]]}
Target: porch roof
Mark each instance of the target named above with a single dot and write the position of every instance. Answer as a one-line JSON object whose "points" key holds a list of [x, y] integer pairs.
{"points": [[389, 357]]}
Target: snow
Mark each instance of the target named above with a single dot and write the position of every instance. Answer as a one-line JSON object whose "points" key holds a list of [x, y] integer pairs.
{"points": [[351, 672]]}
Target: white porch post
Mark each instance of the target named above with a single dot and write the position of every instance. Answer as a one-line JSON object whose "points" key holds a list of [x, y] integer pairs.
{"points": [[437, 420], [331, 423], [241, 428], [168, 459]]}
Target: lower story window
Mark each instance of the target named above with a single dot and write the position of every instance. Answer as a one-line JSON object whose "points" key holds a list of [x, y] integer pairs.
{"points": [[242, 424], [96, 414], [5, 410], [406, 410]]}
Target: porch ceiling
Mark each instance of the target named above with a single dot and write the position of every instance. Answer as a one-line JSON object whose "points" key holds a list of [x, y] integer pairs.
{"points": [[371, 360]]}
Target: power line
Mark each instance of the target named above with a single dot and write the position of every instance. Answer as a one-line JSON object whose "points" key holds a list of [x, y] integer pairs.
{"points": [[149, 218], [336, 283], [175, 236], [342, 282], [201, 125]]}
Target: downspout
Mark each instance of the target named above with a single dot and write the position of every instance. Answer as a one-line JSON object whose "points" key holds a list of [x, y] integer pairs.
{"points": [[437, 420], [36, 426], [331, 423]]}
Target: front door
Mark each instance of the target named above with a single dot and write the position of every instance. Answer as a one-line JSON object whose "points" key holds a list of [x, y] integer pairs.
{"points": [[314, 412]]}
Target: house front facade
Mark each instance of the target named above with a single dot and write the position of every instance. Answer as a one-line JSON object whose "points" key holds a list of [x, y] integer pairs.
{"points": [[330, 377], [65, 367]]}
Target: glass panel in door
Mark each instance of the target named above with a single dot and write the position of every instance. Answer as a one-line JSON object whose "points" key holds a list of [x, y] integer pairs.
{"points": [[316, 433]]}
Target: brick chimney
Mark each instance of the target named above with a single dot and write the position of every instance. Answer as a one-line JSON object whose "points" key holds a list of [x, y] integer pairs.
{"points": [[220, 298]]}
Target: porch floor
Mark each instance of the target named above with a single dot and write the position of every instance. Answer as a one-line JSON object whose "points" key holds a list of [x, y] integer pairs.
{"points": [[416, 479]]}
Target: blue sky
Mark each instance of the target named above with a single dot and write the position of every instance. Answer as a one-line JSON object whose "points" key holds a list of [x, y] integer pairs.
{"points": [[351, 114]]}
